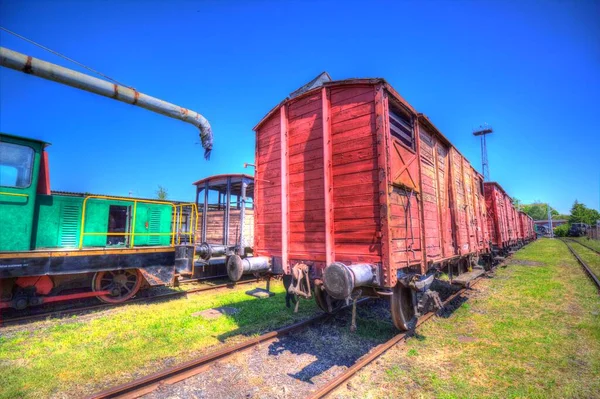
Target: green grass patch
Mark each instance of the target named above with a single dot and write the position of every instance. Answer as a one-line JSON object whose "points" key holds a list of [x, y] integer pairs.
{"points": [[533, 331], [74, 357], [589, 242], [591, 258]]}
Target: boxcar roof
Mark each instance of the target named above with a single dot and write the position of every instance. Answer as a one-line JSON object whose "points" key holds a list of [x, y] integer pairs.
{"points": [[14, 136], [497, 185], [346, 82]]}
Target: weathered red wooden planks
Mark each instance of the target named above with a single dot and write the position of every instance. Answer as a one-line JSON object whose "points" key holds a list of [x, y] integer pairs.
{"points": [[342, 187]]}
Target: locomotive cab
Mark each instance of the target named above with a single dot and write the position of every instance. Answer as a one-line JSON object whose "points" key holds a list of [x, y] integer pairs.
{"points": [[20, 183]]}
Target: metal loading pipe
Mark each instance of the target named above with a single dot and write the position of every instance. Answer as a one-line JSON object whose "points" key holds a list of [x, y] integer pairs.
{"points": [[237, 267], [33, 66], [340, 280]]}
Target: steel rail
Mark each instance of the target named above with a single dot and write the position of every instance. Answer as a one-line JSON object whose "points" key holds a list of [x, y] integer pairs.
{"points": [[381, 349], [186, 370], [586, 268], [101, 306], [584, 245], [147, 384]]}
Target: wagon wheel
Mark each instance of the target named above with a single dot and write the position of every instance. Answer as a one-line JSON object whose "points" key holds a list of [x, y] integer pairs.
{"points": [[123, 284], [326, 302], [402, 306]]}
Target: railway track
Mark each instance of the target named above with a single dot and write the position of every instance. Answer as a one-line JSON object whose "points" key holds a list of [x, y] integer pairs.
{"points": [[186, 370], [586, 268], [584, 245], [4, 322], [149, 383], [379, 350]]}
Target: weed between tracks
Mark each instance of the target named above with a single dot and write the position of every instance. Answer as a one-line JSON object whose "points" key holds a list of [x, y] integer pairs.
{"points": [[589, 242], [591, 258], [532, 331], [72, 358]]}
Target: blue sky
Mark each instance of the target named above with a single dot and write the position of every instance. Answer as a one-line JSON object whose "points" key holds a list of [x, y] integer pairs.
{"points": [[529, 69]]}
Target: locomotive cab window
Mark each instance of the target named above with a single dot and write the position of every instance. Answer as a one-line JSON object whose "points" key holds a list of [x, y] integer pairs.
{"points": [[118, 222], [16, 165], [401, 126]]}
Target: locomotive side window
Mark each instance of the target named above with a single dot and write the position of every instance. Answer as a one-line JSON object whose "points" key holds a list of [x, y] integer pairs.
{"points": [[118, 222], [401, 126], [16, 165]]}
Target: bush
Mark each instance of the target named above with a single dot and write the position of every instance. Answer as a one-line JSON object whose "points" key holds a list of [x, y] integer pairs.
{"points": [[562, 230]]}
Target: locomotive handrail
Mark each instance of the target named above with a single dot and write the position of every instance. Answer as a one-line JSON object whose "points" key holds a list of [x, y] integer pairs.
{"points": [[14, 194], [135, 201], [193, 221]]}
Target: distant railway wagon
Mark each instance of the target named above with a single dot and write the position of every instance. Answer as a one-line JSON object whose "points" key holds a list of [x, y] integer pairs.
{"points": [[579, 229], [360, 195], [526, 226], [225, 223], [499, 217], [57, 246]]}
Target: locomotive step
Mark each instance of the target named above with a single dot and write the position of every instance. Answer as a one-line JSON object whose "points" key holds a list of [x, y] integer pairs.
{"points": [[465, 278]]}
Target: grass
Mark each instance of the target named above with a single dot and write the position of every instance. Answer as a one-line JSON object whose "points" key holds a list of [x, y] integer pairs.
{"points": [[591, 258], [589, 242], [533, 331], [73, 357]]}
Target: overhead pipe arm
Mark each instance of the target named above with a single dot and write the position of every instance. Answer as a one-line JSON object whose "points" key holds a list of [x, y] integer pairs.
{"points": [[33, 66]]}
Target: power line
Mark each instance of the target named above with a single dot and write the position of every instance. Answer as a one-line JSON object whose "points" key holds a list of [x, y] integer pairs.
{"points": [[63, 56]]}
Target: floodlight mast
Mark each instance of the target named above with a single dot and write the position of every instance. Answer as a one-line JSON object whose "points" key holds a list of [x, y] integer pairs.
{"points": [[485, 167]]}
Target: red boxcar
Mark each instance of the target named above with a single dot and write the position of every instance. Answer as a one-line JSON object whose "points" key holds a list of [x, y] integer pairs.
{"points": [[531, 235], [497, 215], [504, 222], [361, 194]]}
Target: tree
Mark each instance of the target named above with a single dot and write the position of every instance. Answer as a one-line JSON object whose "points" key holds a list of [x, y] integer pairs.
{"points": [[562, 230], [538, 210], [517, 202], [582, 214], [162, 193]]}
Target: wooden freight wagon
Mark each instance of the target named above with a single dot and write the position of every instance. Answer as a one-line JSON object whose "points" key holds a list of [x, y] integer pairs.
{"points": [[225, 224], [501, 220], [524, 227], [358, 192]]}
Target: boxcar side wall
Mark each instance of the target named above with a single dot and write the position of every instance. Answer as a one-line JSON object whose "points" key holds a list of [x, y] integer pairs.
{"points": [[331, 185], [267, 188], [403, 186], [305, 202], [357, 223]]}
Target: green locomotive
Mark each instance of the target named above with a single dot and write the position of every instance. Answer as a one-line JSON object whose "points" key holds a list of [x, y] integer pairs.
{"points": [[55, 246]]}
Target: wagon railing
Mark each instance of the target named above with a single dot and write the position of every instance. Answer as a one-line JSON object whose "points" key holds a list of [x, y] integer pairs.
{"points": [[131, 234], [191, 225]]}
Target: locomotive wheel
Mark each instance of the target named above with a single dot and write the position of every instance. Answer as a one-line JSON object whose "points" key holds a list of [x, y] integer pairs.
{"points": [[402, 306], [124, 284], [324, 300]]}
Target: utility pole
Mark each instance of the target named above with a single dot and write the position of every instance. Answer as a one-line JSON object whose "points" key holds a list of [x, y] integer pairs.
{"points": [[485, 167], [550, 221]]}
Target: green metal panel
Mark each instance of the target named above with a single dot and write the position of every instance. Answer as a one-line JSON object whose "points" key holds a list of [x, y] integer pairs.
{"points": [[58, 221], [17, 211], [153, 218]]}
